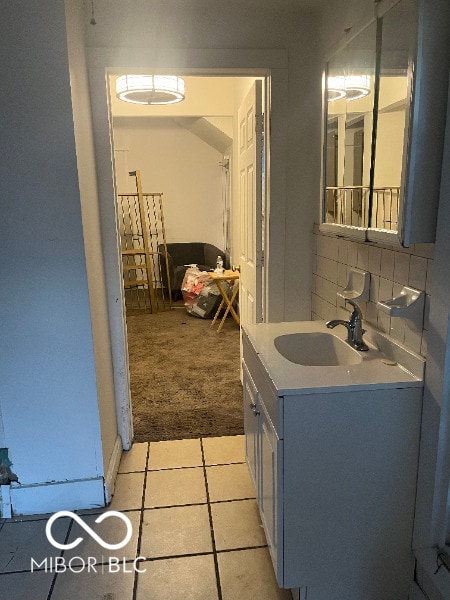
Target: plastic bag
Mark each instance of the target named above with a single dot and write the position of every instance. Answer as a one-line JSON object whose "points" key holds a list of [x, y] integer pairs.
{"points": [[201, 296]]}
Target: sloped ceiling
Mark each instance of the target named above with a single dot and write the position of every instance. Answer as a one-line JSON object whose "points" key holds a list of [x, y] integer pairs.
{"points": [[206, 131]]}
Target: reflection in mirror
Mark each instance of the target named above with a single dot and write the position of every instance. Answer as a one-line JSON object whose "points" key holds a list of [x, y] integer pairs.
{"points": [[350, 95], [395, 57], [386, 93]]}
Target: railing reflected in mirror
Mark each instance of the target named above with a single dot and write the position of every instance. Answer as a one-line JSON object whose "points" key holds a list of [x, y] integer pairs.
{"points": [[349, 205], [351, 101]]}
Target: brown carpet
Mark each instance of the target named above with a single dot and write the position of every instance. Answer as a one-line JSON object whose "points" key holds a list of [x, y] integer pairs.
{"points": [[184, 376]]}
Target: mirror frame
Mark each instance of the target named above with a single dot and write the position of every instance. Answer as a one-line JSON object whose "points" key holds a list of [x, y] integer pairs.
{"points": [[424, 130]]}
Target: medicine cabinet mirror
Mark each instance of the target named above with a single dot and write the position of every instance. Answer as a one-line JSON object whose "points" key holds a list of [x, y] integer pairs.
{"points": [[384, 117]]}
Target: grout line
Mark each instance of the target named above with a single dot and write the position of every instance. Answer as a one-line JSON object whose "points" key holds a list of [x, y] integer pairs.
{"points": [[175, 468], [174, 556], [66, 539], [216, 563], [243, 549], [232, 500], [175, 506], [141, 521], [229, 464]]}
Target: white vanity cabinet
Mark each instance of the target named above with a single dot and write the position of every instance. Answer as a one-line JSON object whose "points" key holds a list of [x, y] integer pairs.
{"points": [[335, 478], [264, 458]]}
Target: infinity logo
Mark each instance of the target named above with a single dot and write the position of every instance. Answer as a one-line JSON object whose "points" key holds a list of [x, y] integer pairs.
{"points": [[91, 532]]}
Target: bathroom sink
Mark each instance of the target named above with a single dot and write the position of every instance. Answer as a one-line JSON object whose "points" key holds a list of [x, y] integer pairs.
{"points": [[316, 349]]}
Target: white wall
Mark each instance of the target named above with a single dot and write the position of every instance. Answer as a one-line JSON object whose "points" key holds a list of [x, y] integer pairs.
{"points": [[174, 161], [48, 385], [91, 231]]}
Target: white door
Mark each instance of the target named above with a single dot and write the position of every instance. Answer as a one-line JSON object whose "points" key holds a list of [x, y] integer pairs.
{"points": [[250, 142]]}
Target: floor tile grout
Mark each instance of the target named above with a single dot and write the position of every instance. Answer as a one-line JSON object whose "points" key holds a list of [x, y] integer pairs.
{"points": [[66, 539], [207, 465], [209, 503], [141, 522], [216, 562]]}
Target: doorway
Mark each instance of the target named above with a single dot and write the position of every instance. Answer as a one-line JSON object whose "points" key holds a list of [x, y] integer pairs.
{"points": [[187, 152], [271, 64]]}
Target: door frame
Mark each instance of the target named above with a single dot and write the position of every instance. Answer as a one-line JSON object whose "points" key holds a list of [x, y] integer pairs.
{"points": [[102, 62]]}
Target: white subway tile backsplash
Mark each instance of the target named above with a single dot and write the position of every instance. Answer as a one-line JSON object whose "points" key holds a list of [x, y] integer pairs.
{"points": [[329, 290], [374, 292], [413, 338], [328, 310], [398, 329], [387, 264], [386, 289], [384, 322], [327, 268], [320, 245], [390, 269], [352, 254], [331, 247], [343, 251], [375, 260], [401, 267], [418, 272], [363, 257], [342, 313], [372, 313], [342, 275]]}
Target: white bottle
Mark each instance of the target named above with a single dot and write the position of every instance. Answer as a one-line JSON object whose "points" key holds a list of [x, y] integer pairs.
{"points": [[219, 265]]}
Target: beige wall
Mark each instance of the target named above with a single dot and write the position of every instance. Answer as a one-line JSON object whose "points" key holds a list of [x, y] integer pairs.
{"points": [[174, 161]]}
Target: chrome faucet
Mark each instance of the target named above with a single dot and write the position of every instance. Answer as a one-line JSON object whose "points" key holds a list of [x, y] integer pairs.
{"points": [[354, 327]]}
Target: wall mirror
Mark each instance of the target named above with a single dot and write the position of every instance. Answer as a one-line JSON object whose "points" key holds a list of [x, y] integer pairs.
{"points": [[381, 150]]}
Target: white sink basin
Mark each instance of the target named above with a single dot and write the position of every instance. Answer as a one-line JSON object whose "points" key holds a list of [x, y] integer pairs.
{"points": [[316, 349]]}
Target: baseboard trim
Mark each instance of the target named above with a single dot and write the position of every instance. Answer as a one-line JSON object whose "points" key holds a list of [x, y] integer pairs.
{"points": [[113, 468], [55, 496]]}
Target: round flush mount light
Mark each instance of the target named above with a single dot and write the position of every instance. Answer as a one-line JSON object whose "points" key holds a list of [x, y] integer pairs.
{"points": [[150, 89], [357, 86], [350, 87], [336, 88]]}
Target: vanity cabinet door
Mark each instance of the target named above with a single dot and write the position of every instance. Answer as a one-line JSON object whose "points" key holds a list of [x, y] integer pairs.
{"points": [[251, 410], [270, 487], [264, 453]]}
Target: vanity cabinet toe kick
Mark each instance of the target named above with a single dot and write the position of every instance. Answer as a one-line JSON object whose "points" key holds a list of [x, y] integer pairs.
{"points": [[335, 479]]}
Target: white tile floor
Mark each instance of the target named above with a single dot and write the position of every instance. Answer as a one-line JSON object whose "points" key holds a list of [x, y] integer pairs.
{"points": [[195, 521]]}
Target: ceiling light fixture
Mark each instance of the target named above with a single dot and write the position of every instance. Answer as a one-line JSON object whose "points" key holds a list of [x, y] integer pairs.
{"points": [[336, 88], [150, 89], [350, 87]]}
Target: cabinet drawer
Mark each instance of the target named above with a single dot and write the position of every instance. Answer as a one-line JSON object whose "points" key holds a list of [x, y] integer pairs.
{"points": [[267, 394]]}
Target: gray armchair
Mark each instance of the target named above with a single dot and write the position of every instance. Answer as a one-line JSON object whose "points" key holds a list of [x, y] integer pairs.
{"points": [[186, 253]]}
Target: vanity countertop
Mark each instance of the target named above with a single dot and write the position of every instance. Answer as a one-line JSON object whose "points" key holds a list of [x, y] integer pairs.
{"points": [[386, 365]]}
